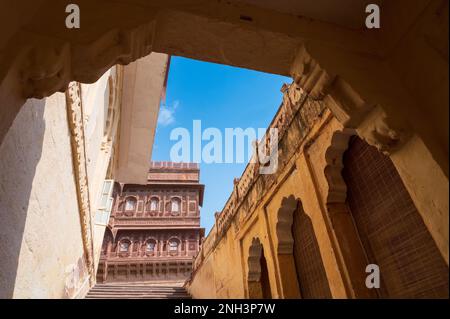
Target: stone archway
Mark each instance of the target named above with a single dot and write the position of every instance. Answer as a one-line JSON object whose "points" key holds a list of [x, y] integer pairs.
{"points": [[258, 283], [284, 248], [390, 227], [309, 265], [350, 248], [41, 56]]}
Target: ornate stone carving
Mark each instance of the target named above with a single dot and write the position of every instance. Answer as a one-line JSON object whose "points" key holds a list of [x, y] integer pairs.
{"points": [[337, 189], [370, 120], [44, 66], [254, 266], [284, 224], [309, 75], [345, 103], [175, 238], [75, 119], [386, 133]]}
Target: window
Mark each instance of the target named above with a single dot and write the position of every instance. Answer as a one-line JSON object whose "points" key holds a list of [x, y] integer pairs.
{"points": [[154, 204], [150, 247], [176, 206], [105, 204], [173, 246], [130, 203], [123, 246]]}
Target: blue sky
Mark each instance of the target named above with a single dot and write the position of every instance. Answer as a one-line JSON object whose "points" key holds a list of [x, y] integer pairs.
{"points": [[221, 97]]}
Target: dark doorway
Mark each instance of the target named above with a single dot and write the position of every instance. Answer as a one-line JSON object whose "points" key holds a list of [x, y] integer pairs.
{"points": [[390, 228], [311, 273], [265, 283]]}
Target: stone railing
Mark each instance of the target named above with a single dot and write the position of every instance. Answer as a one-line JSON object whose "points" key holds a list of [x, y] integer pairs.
{"points": [[294, 120], [174, 165]]}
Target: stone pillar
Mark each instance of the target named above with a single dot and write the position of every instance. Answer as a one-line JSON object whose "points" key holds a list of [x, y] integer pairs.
{"points": [[108, 249]]}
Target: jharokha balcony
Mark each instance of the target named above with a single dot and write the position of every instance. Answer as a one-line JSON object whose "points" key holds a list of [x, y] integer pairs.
{"points": [[154, 229]]}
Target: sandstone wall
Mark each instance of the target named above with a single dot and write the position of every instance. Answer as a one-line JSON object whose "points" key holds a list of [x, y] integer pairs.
{"points": [[311, 147], [41, 247]]}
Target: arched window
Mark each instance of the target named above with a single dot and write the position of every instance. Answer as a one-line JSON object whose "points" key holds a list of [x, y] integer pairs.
{"points": [[150, 246], [154, 204], [124, 246], [130, 203], [173, 245], [175, 206]]}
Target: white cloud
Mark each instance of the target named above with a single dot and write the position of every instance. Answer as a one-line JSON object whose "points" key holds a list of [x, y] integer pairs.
{"points": [[167, 114]]}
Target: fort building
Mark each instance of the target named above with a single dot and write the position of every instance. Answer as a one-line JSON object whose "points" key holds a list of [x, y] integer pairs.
{"points": [[154, 230], [334, 206], [362, 172]]}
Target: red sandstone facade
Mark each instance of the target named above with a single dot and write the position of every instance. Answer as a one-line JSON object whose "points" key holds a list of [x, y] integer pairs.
{"points": [[154, 230]]}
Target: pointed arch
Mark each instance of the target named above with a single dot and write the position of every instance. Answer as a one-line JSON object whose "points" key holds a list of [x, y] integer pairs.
{"points": [[258, 283], [284, 223], [350, 251]]}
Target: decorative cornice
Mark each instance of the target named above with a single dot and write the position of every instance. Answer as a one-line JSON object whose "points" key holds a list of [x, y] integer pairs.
{"points": [[77, 141], [47, 64], [370, 120]]}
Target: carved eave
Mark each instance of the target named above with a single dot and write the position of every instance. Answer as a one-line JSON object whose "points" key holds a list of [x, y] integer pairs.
{"points": [[143, 84]]}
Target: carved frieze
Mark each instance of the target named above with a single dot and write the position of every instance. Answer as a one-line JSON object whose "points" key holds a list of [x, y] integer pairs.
{"points": [[77, 141]]}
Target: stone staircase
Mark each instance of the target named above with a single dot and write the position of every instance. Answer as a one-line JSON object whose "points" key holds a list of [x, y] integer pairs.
{"points": [[138, 290]]}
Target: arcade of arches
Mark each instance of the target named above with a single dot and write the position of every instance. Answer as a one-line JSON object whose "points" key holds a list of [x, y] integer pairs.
{"points": [[363, 153], [335, 205]]}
